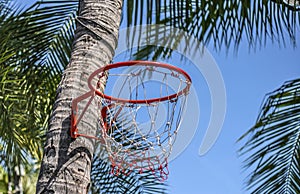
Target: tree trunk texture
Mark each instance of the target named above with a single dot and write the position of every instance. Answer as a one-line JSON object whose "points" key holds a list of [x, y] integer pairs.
{"points": [[66, 163]]}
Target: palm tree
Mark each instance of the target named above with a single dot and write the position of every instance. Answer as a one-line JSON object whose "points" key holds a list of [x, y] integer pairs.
{"points": [[67, 162], [271, 146], [225, 23], [51, 26], [222, 23], [28, 79]]}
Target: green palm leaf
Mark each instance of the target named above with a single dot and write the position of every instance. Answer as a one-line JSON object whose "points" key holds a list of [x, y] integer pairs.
{"points": [[35, 44], [272, 145], [223, 24], [34, 52], [135, 182], [52, 25]]}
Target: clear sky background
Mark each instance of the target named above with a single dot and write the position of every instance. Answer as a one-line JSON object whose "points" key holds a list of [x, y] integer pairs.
{"points": [[248, 77]]}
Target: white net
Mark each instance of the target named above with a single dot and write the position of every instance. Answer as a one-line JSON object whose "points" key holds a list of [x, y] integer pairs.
{"points": [[141, 116]]}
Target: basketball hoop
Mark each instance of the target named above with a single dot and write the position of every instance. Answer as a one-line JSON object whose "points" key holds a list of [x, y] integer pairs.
{"points": [[140, 113]]}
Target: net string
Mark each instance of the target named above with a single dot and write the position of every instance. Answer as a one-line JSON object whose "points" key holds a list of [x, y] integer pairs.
{"points": [[130, 150]]}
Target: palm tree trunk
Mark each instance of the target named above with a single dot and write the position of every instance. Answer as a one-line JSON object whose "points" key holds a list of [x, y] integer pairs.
{"points": [[66, 163]]}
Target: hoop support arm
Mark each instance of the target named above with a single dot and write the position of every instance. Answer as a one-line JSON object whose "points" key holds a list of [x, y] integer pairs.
{"points": [[74, 114]]}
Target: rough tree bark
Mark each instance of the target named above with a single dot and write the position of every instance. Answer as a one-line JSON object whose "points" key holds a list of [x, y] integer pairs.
{"points": [[67, 162]]}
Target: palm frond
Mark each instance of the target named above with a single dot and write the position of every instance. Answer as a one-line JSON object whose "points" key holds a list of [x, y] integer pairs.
{"points": [[52, 25], [58, 18], [35, 47], [25, 106], [222, 23], [272, 146], [106, 182]]}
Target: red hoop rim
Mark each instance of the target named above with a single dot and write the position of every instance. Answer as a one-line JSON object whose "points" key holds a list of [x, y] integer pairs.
{"points": [[143, 63]]}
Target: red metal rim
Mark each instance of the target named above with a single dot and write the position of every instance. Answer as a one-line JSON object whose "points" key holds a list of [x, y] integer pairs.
{"points": [[145, 63]]}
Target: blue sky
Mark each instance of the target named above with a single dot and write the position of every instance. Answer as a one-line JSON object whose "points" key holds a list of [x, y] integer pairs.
{"points": [[248, 76]]}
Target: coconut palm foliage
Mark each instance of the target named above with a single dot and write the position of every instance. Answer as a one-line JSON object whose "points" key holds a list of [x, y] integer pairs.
{"points": [[272, 145], [33, 51], [35, 46], [223, 24], [135, 182]]}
